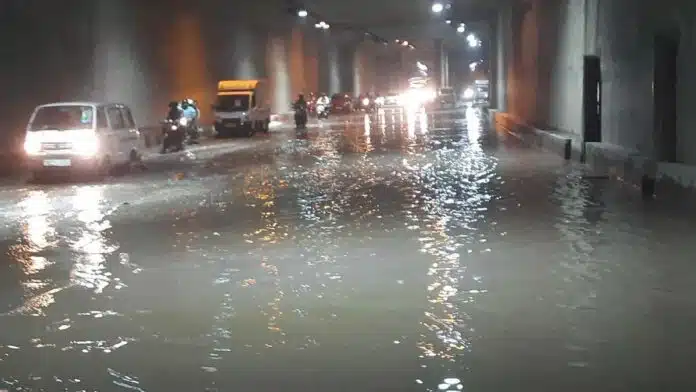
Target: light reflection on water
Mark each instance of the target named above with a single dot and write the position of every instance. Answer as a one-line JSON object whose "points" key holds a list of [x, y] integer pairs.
{"points": [[453, 192], [391, 251], [38, 236], [91, 248]]}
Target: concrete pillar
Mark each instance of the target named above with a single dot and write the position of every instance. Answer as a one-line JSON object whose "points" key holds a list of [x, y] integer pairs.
{"points": [[311, 62], [446, 69], [279, 74], [502, 53], [117, 72], [296, 57], [438, 65], [358, 72], [334, 69], [245, 63], [364, 66], [346, 66], [329, 68]]}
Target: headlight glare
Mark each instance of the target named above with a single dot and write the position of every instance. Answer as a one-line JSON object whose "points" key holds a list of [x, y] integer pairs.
{"points": [[31, 146]]}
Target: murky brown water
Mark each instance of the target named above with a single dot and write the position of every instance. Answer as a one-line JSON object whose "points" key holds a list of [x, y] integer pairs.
{"points": [[408, 252]]}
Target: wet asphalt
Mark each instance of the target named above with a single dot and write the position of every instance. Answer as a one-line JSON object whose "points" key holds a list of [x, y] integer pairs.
{"points": [[398, 251]]}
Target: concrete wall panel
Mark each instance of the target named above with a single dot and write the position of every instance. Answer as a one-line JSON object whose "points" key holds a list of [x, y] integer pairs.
{"points": [[563, 25], [545, 66]]}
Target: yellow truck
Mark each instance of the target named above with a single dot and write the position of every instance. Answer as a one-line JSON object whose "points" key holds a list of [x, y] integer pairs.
{"points": [[242, 107]]}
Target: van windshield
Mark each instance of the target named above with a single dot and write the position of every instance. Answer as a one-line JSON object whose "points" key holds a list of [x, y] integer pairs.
{"points": [[232, 103], [63, 118]]}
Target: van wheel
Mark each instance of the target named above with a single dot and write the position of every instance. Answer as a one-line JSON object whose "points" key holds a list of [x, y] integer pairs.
{"points": [[36, 177], [135, 161], [105, 168]]}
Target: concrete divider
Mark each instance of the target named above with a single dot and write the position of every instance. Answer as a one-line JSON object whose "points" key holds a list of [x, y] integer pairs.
{"points": [[634, 168], [564, 144], [619, 163], [605, 160]]}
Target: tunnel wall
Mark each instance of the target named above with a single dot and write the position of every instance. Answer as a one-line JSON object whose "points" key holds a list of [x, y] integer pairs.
{"points": [[146, 53], [549, 39]]}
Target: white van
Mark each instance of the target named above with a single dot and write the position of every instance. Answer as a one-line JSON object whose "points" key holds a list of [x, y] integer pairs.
{"points": [[88, 136]]}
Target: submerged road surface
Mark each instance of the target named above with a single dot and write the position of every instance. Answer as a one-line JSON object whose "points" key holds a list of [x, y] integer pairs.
{"points": [[398, 252]]}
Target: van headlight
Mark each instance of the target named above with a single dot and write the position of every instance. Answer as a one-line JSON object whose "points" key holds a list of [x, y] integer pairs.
{"points": [[468, 93], [32, 145], [86, 146], [366, 101]]}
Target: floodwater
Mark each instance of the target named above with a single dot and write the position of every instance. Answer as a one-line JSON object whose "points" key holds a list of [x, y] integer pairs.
{"points": [[403, 251]]}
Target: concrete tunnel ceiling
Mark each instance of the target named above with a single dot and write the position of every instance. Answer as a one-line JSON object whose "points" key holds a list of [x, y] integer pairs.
{"points": [[399, 19]]}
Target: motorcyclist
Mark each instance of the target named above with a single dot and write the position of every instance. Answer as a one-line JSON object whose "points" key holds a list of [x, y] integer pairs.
{"points": [[300, 104], [300, 107], [323, 100], [190, 112], [174, 112]]}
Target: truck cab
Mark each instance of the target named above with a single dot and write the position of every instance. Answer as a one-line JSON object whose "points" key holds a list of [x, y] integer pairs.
{"points": [[241, 108]]}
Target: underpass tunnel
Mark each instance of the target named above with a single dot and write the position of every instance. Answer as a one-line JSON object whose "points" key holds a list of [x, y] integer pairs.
{"points": [[133, 55], [130, 53]]}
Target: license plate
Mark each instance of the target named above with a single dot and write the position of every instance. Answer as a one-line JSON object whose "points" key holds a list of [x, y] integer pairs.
{"points": [[57, 162], [231, 125]]}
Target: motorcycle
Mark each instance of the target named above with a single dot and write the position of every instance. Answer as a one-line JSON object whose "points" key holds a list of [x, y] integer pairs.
{"points": [[301, 117], [322, 111], [369, 105], [173, 135], [193, 134]]}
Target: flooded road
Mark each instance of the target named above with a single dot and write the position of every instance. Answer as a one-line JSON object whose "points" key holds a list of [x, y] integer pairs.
{"points": [[404, 252]]}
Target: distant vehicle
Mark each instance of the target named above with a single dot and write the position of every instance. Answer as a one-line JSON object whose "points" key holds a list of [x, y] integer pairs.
{"points": [[173, 135], [82, 136], [322, 111], [469, 95], [312, 102], [242, 108], [367, 103], [446, 98], [341, 103], [481, 91], [392, 100]]}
